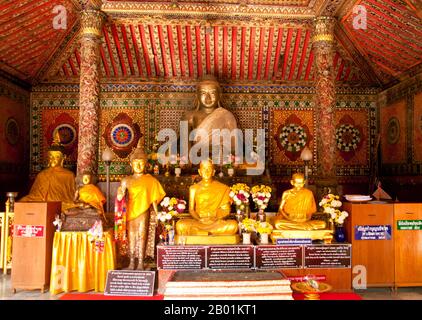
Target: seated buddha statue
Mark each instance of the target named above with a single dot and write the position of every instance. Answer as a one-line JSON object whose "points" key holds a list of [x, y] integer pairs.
{"points": [[54, 183], [209, 204], [88, 206], [209, 114], [297, 207]]}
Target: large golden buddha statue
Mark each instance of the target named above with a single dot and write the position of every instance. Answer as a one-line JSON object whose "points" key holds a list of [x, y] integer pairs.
{"points": [[209, 113], [209, 204], [139, 192], [295, 212], [54, 183]]}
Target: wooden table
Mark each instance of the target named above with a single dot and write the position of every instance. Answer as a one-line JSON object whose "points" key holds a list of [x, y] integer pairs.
{"points": [[78, 265]]}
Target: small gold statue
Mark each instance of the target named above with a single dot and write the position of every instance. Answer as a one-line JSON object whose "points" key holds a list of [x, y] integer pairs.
{"points": [[89, 195], [143, 191], [209, 204], [296, 209], [54, 183]]}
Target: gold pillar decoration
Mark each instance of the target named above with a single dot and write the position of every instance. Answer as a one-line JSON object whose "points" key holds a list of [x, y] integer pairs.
{"points": [[323, 46], [89, 90]]}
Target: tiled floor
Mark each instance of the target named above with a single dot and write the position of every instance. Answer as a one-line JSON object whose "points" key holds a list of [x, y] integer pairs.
{"points": [[369, 294]]}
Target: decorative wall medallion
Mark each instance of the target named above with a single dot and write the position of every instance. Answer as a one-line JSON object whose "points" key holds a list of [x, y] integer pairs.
{"points": [[12, 131], [292, 137], [122, 135], [67, 127], [349, 137], [67, 134], [393, 130]]}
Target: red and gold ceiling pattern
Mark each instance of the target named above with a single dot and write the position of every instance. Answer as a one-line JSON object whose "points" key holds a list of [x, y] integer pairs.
{"points": [[392, 41], [239, 53], [27, 35]]}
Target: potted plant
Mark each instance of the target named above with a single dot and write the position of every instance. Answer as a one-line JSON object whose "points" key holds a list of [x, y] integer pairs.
{"points": [[332, 205], [247, 227]]}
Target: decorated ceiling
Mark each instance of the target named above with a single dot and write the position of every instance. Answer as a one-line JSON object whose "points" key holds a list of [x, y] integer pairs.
{"points": [[265, 41]]}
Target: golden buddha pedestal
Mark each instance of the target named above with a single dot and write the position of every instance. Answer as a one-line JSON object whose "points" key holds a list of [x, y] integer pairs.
{"points": [[209, 204], [296, 209]]}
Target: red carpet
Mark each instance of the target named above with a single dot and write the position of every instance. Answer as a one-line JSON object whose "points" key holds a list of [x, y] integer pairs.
{"points": [[331, 296], [100, 296]]}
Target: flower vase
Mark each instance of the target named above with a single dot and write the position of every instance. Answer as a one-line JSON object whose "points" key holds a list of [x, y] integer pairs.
{"points": [[230, 172], [171, 236], [177, 171], [263, 238], [339, 234], [246, 237]]}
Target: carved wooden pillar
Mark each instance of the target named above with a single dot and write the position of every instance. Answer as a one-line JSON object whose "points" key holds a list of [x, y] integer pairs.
{"points": [[89, 90], [323, 45]]}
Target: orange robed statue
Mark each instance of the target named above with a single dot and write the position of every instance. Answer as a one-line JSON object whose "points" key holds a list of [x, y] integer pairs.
{"points": [[54, 183], [142, 192]]}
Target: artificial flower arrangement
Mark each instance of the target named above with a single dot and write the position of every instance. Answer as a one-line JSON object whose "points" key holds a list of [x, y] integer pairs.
{"points": [[229, 163], [331, 205], [248, 225], [239, 192], [96, 235], [263, 227], [170, 208], [177, 161], [261, 195]]}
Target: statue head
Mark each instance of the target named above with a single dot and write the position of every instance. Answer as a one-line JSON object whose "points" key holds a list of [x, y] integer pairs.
{"points": [[206, 169], [208, 93], [56, 152], [298, 181], [138, 159]]}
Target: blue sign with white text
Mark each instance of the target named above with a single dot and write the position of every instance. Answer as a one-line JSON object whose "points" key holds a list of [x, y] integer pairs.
{"points": [[375, 232], [293, 241]]}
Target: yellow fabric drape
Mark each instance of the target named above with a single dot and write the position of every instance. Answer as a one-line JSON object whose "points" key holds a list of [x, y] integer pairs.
{"points": [[77, 266], [92, 195]]}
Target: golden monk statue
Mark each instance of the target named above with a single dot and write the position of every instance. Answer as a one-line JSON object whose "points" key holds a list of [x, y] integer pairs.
{"points": [[143, 191], [209, 204], [54, 183], [297, 207], [209, 113], [89, 195]]}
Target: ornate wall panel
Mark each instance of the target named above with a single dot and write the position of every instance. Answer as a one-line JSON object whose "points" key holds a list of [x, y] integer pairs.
{"points": [[151, 107], [417, 128], [393, 132]]}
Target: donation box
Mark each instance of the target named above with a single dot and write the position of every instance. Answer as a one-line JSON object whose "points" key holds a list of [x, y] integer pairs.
{"points": [[33, 233]]}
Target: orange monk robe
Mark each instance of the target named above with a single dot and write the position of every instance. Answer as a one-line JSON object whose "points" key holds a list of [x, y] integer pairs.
{"points": [[142, 191], [212, 204], [53, 184], [93, 196], [300, 206]]}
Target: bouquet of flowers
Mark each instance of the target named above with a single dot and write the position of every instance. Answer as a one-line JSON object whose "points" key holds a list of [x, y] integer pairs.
{"points": [[331, 205], [96, 235], [239, 192], [229, 163], [248, 225], [263, 227], [170, 208], [261, 195]]}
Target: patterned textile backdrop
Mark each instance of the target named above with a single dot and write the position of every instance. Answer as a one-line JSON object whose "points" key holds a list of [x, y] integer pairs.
{"points": [[132, 112], [417, 128]]}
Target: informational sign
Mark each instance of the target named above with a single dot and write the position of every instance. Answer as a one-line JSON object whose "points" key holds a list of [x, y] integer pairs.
{"points": [[278, 257], [373, 232], [409, 224], [28, 231], [328, 256], [318, 277], [293, 241], [230, 257], [130, 283], [181, 257]]}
